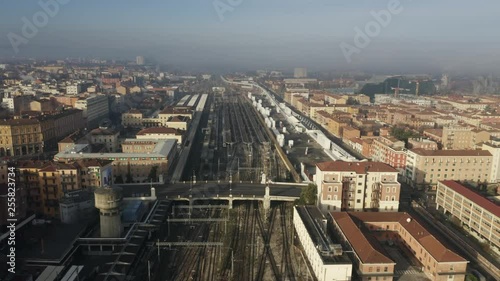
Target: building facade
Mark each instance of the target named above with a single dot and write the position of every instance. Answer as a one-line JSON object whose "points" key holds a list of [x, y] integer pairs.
{"points": [[95, 108], [476, 213], [364, 232], [424, 168], [327, 259], [357, 186]]}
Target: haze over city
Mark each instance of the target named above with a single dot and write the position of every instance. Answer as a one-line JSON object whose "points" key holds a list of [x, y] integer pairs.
{"points": [[235, 140], [426, 36]]}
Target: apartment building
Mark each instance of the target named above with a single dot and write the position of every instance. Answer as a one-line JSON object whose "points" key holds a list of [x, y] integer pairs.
{"points": [[73, 90], [476, 213], [95, 108], [106, 136], [422, 143], [493, 147], [389, 150], [46, 182], [327, 258], [424, 168], [456, 138], [357, 186], [20, 137], [365, 232]]}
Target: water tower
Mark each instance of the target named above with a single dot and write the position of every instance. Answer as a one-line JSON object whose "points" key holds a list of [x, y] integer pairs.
{"points": [[108, 201]]}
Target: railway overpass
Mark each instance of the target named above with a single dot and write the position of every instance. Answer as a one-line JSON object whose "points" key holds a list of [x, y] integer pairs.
{"points": [[199, 193]]}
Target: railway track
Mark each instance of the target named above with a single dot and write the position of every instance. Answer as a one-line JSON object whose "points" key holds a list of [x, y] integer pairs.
{"points": [[267, 252], [286, 259]]}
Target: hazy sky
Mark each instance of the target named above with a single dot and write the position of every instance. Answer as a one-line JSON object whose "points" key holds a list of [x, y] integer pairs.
{"points": [[427, 35]]}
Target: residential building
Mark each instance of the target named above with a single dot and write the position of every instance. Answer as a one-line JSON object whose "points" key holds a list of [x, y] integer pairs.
{"points": [[300, 72], [46, 182], [327, 259], [132, 118], [391, 151], [456, 138], [357, 186], [476, 213], [424, 168], [73, 90], [139, 60], [493, 147], [106, 136], [95, 108], [422, 143], [365, 232], [20, 137]]}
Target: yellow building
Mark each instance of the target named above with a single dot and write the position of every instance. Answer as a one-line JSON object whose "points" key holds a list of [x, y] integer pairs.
{"points": [[20, 137], [427, 167]]}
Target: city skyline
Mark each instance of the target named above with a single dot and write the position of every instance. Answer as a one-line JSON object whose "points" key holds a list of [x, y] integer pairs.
{"points": [[242, 35]]}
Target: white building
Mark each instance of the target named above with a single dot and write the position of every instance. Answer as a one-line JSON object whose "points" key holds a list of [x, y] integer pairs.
{"points": [[73, 90], [8, 103], [327, 259], [300, 72], [357, 186], [139, 60], [494, 148], [95, 108]]}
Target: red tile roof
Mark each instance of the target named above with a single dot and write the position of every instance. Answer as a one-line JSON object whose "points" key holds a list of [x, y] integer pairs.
{"points": [[358, 167], [473, 196], [435, 248], [363, 248]]}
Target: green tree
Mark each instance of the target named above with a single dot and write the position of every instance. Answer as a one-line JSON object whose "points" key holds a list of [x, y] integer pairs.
{"points": [[152, 173], [308, 195], [403, 134], [129, 178], [119, 179], [352, 101]]}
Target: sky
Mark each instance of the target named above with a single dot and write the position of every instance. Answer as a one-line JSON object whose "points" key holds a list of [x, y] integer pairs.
{"points": [[420, 36]]}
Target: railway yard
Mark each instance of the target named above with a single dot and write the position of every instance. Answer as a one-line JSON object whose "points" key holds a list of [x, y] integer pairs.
{"points": [[235, 145], [243, 243], [208, 241]]}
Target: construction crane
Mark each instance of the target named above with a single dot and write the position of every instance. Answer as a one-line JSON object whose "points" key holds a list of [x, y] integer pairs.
{"points": [[398, 88], [417, 89]]}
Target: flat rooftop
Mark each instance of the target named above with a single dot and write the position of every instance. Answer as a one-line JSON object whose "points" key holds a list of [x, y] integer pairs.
{"points": [[161, 149], [312, 219], [48, 241]]}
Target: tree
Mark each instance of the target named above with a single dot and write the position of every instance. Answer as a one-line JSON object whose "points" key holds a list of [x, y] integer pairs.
{"points": [[129, 178], [308, 195], [403, 134], [352, 101], [119, 179], [152, 173]]}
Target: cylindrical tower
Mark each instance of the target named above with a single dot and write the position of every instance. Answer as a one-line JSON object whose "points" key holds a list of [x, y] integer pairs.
{"points": [[108, 201]]}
